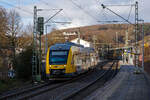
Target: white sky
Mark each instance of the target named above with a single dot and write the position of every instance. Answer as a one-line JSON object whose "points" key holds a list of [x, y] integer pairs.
{"points": [[78, 12]]}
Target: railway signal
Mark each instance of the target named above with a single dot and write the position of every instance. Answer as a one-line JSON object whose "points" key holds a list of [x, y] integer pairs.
{"points": [[40, 25], [38, 30]]}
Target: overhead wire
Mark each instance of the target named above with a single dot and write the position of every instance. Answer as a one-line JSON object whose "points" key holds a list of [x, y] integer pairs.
{"points": [[130, 12], [101, 10], [118, 5], [33, 2], [97, 3], [104, 14], [19, 8], [46, 3], [83, 10], [129, 16]]}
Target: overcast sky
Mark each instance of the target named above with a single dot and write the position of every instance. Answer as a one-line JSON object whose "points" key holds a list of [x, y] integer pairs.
{"points": [[78, 12]]}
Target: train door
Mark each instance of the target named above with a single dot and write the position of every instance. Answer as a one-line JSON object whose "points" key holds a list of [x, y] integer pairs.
{"points": [[78, 62]]}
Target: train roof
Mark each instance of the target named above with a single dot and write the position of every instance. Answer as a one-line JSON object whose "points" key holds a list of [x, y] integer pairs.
{"points": [[64, 46], [74, 44], [60, 47]]}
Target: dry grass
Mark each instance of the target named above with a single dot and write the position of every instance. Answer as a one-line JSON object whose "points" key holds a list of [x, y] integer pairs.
{"points": [[147, 64], [9, 84]]}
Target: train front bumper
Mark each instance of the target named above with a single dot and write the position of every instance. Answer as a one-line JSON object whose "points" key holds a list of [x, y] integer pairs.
{"points": [[60, 73], [57, 71]]}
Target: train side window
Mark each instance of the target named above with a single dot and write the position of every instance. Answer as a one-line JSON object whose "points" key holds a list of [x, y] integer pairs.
{"points": [[72, 62], [75, 60]]}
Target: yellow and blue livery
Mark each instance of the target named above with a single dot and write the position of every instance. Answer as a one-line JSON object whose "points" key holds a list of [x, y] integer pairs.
{"points": [[69, 59]]}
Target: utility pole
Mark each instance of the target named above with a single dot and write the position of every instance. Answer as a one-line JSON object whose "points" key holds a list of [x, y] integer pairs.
{"points": [[142, 43], [117, 41], [37, 52], [94, 41], [79, 36], [126, 41], [136, 34], [104, 7], [38, 30], [135, 25], [34, 58]]}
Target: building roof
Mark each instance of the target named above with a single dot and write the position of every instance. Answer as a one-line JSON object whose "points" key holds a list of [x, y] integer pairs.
{"points": [[76, 39], [81, 42]]}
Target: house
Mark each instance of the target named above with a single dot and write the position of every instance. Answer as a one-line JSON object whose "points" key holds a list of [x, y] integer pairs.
{"points": [[69, 33], [82, 42]]}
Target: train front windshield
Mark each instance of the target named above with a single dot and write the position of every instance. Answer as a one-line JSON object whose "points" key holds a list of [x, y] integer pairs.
{"points": [[58, 57]]}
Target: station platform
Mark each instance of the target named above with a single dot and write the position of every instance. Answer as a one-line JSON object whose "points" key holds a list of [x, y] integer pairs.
{"points": [[127, 85]]}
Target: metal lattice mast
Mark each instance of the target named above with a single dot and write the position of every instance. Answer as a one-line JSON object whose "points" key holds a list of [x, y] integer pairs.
{"points": [[143, 44], [39, 55], [135, 25], [136, 33], [34, 58], [117, 40], [38, 30], [94, 41], [127, 40], [79, 36]]}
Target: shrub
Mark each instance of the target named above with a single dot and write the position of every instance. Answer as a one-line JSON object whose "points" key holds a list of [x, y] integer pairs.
{"points": [[24, 64]]}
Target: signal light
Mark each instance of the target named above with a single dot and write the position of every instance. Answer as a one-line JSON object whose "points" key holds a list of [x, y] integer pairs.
{"points": [[40, 25]]}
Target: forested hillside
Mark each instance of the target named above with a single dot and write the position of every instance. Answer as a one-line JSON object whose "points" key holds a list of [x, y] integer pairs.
{"points": [[108, 33]]}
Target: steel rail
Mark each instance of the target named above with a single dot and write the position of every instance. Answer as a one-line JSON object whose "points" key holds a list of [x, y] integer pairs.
{"points": [[84, 88], [22, 91], [59, 85], [39, 89]]}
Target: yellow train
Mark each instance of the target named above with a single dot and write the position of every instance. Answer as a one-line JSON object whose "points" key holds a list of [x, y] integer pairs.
{"points": [[69, 59]]}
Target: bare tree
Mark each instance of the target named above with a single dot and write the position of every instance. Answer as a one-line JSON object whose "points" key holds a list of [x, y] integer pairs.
{"points": [[3, 28], [4, 48], [26, 39], [14, 27]]}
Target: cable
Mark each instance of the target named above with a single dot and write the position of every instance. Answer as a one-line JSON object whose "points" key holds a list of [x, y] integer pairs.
{"points": [[129, 13], [33, 2], [83, 10], [53, 16], [97, 3], [104, 7], [59, 9], [129, 17], [44, 2], [104, 14], [16, 7], [119, 5], [67, 15]]}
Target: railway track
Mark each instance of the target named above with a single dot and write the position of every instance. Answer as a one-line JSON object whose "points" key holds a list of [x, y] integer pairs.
{"points": [[31, 92], [99, 82], [67, 91], [14, 93]]}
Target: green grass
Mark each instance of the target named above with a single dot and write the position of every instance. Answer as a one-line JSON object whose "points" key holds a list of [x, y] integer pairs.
{"points": [[3, 86]]}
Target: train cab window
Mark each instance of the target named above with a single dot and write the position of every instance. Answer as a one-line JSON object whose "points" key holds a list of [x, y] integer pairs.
{"points": [[58, 57]]}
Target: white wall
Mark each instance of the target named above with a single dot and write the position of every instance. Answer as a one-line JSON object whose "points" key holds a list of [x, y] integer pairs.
{"points": [[82, 42]]}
